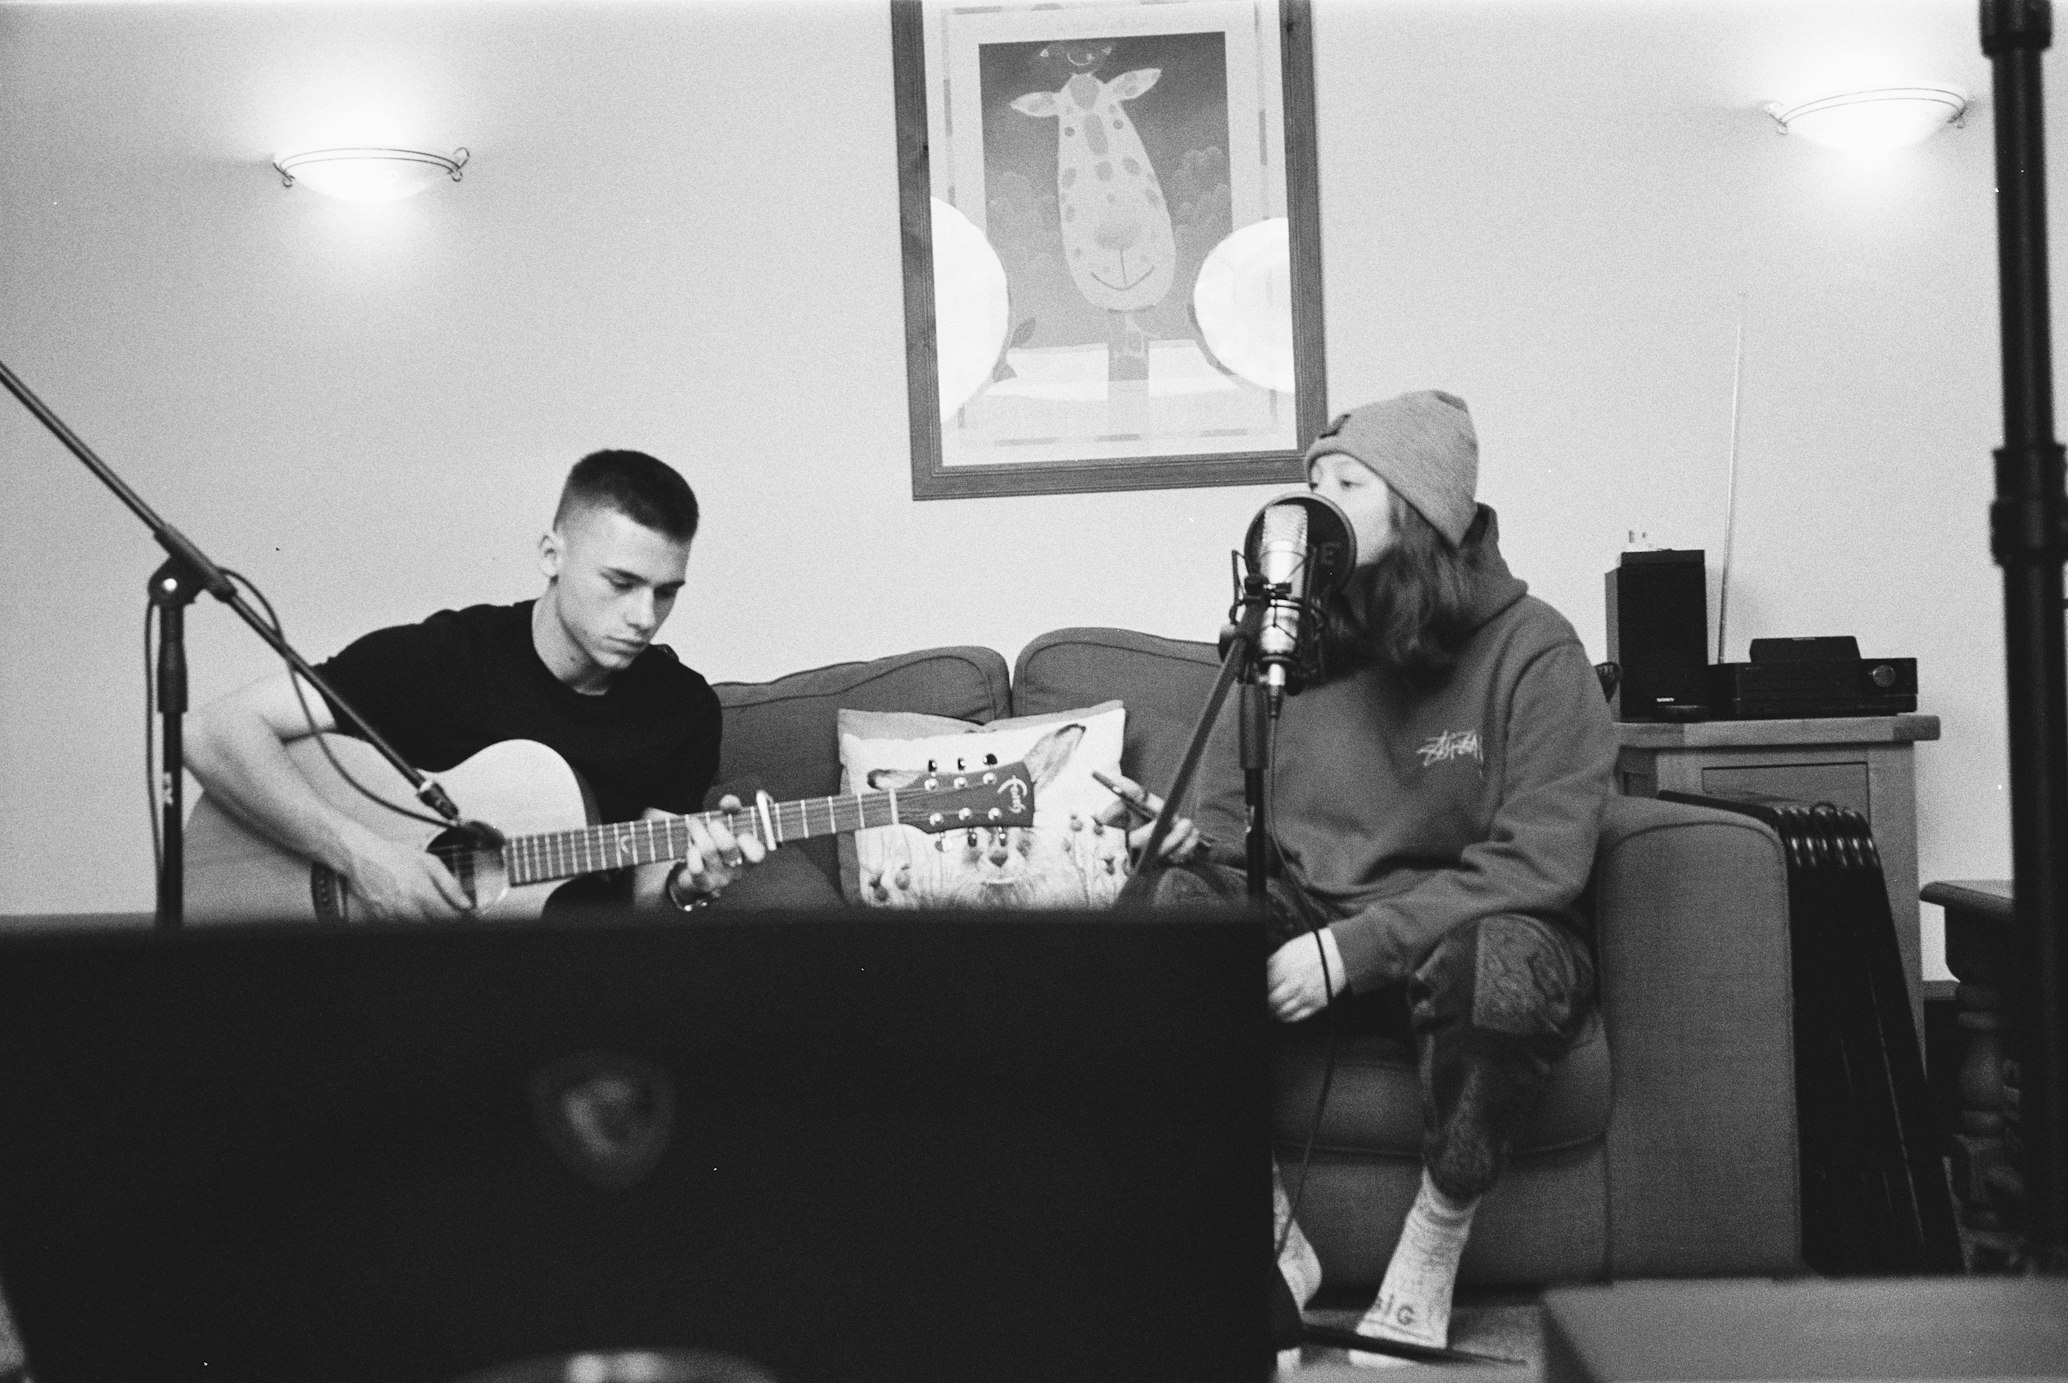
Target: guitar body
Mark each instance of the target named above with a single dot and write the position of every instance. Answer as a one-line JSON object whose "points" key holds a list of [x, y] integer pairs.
{"points": [[519, 787]]}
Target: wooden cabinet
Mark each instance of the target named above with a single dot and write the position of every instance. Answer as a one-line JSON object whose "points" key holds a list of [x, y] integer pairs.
{"points": [[1860, 762]]}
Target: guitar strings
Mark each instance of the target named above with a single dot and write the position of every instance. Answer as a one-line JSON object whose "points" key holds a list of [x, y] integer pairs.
{"points": [[591, 849]]}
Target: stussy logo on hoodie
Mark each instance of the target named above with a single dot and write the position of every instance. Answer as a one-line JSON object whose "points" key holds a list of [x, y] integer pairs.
{"points": [[1451, 744]]}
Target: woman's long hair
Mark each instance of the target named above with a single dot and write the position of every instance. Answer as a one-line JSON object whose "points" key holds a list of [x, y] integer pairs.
{"points": [[1411, 611]]}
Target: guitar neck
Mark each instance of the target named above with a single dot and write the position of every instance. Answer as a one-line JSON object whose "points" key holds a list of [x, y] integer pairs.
{"points": [[552, 855]]}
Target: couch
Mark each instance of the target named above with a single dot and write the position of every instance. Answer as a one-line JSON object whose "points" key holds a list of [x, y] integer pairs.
{"points": [[1665, 1144]]}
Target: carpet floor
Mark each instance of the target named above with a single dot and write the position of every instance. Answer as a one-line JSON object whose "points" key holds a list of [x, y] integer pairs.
{"points": [[1507, 1326]]}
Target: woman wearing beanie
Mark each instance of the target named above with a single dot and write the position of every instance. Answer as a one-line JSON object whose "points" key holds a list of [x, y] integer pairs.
{"points": [[1436, 797]]}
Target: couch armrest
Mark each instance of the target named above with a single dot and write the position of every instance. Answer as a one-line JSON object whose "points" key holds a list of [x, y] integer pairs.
{"points": [[1691, 909]]}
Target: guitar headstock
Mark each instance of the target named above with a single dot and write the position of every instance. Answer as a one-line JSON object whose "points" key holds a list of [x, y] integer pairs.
{"points": [[990, 797]]}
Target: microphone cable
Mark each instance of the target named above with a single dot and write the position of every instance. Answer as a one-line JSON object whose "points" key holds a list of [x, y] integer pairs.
{"points": [[309, 718], [152, 788], [1328, 1065]]}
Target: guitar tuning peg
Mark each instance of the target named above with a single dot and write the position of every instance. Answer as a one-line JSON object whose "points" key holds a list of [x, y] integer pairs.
{"points": [[961, 765], [990, 761], [972, 840]]}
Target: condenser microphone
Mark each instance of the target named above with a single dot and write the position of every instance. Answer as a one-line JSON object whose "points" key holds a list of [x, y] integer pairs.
{"points": [[1301, 548]]}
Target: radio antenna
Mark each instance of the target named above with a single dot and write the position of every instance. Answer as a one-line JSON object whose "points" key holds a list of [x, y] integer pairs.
{"points": [[1730, 492]]}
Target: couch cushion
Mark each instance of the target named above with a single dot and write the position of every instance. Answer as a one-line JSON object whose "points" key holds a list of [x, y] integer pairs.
{"points": [[783, 732], [1375, 1101], [1165, 684], [780, 736]]}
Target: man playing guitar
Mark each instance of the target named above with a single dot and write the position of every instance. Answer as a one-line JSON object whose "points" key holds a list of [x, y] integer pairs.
{"points": [[576, 670]]}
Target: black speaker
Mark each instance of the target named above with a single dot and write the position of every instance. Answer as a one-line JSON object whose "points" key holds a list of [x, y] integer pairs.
{"points": [[1658, 620]]}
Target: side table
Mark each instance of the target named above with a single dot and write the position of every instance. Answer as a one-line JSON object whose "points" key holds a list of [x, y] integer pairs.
{"points": [[1981, 952], [1860, 762]]}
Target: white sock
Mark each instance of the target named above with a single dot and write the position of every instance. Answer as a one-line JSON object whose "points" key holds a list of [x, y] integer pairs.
{"points": [[1414, 1301], [1298, 1261]]}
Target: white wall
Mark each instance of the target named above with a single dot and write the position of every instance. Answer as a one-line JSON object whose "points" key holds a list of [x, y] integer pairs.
{"points": [[679, 232]]}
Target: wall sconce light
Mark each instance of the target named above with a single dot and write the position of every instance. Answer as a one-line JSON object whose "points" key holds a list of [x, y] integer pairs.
{"points": [[368, 175], [1887, 117]]}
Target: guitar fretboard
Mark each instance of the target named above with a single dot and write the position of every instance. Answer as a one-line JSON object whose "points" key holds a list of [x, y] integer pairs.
{"points": [[563, 854]]}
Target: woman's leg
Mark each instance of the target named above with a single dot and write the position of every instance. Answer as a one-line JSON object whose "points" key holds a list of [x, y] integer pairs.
{"points": [[1493, 1007], [1203, 883]]}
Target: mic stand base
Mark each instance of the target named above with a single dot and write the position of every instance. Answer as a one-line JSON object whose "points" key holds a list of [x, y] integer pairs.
{"points": [[1290, 1328]]}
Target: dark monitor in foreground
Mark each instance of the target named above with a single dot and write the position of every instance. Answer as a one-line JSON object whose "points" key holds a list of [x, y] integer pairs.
{"points": [[902, 1147]]}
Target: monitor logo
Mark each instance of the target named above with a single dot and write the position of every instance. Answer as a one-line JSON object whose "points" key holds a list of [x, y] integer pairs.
{"points": [[608, 1116]]}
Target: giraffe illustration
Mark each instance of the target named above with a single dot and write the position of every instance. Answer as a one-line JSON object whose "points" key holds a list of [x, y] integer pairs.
{"points": [[1116, 228]]}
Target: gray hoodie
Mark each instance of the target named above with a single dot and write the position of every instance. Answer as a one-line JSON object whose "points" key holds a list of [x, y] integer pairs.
{"points": [[1411, 811]]}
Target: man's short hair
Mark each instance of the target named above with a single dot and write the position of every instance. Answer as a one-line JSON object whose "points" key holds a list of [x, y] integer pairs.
{"points": [[647, 491]]}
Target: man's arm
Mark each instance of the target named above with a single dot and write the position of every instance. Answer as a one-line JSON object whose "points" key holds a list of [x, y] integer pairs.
{"points": [[236, 747]]}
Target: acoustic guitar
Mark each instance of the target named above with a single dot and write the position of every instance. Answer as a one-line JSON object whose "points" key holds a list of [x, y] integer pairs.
{"points": [[529, 826]]}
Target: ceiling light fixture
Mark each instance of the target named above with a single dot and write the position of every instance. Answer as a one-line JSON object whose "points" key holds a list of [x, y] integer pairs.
{"points": [[1887, 117], [369, 175]]}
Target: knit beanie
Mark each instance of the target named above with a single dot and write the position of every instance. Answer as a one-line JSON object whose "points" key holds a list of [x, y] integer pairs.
{"points": [[1423, 445]]}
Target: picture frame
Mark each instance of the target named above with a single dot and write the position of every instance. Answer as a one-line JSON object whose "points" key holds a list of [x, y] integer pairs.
{"points": [[1111, 242]]}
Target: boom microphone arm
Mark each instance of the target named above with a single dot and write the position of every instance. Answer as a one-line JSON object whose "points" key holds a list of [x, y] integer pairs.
{"points": [[186, 573]]}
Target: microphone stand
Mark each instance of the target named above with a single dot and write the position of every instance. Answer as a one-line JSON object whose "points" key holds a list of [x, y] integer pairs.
{"points": [[1238, 656], [1258, 707], [186, 573], [2029, 540], [1256, 768]]}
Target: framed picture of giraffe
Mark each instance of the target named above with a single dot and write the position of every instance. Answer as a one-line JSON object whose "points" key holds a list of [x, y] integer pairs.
{"points": [[1111, 245]]}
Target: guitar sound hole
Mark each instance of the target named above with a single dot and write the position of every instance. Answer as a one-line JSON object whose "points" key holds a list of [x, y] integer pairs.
{"points": [[456, 852]]}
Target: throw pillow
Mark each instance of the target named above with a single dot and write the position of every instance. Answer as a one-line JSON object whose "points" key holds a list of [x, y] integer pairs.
{"points": [[1066, 859]]}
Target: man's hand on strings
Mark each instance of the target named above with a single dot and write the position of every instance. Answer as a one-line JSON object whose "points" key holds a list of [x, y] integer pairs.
{"points": [[715, 856]]}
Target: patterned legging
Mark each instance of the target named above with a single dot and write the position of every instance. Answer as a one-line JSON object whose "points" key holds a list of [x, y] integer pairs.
{"points": [[1488, 1011]]}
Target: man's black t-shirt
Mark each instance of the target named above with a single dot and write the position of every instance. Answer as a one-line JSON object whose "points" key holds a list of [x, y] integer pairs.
{"points": [[443, 690]]}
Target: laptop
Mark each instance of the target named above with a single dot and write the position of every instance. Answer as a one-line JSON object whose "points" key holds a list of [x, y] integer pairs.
{"points": [[854, 1146]]}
